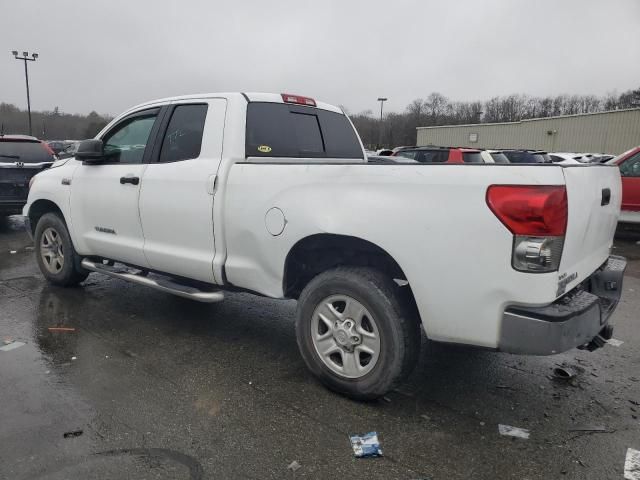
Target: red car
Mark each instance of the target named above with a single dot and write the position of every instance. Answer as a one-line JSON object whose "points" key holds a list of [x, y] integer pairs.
{"points": [[629, 163], [441, 155]]}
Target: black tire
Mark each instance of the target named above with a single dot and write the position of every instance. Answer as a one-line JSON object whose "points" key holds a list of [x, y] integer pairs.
{"points": [[397, 324], [70, 273]]}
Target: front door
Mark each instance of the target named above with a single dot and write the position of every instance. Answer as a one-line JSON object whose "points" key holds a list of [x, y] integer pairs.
{"points": [[176, 200], [104, 197]]}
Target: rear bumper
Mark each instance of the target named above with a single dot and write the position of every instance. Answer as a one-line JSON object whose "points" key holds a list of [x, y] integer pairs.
{"points": [[574, 320]]}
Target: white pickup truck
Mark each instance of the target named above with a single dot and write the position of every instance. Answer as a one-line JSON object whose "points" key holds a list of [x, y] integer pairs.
{"points": [[273, 194]]}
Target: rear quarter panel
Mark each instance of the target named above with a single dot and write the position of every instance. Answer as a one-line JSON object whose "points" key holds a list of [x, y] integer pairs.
{"points": [[432, 219]]}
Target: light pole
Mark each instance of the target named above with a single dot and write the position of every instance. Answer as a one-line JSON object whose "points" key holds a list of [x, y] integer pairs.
{"points": [[381, 100], [25, 57]]}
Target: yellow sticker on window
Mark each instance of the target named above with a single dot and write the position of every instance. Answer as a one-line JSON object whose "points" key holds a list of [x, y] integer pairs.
{"points": [[264, 148]]}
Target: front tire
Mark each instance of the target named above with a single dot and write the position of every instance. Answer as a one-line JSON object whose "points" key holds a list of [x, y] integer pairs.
{"points": [[57, 259], [355, 333]]}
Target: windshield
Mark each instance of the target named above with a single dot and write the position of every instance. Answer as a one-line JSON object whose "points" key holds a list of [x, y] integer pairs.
{"points": [[25, 152]]}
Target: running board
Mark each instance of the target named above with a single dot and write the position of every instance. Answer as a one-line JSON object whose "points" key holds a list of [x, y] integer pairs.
{"points": [[163, 285]]}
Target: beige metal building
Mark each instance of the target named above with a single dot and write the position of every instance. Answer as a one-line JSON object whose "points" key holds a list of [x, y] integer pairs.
{"points": [[604, 132]]}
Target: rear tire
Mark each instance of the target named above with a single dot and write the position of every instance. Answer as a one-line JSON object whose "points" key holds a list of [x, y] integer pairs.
{"points": [[355, 333], [56, 257]]}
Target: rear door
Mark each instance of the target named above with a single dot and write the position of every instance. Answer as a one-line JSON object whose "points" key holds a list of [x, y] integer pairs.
{"points": [[630, 172], [593, 194], [104, 197], [176, 198]]}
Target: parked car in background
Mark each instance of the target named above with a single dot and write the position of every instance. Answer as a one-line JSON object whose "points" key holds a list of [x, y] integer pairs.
{"points": [[384, 152], [21, 157], [69, 151], [629, 163], [56, 145], [494, 156], [604, 158], [597, 157], [396, 149], [442, 155], [527, 156], [388, 159], [567, 158]]}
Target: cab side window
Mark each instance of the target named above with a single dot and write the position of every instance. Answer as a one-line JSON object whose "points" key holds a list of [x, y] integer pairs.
{"points": [[183, 138], [631, 167], [127, 141]]}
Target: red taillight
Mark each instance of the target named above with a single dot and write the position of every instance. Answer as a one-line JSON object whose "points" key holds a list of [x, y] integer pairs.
{"points": [[288, 98], [530, 209]]}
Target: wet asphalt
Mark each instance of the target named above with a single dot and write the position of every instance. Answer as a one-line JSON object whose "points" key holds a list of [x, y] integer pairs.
{"points": [[155, 386]]}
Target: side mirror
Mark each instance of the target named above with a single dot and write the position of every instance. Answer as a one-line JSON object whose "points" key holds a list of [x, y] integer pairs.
{"points": [[91, 152]]}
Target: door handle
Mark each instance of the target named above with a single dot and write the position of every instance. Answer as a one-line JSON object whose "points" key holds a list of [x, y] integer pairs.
{"points": [[131, 180]]}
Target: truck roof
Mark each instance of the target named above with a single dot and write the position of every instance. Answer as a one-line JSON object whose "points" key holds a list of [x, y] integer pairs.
{"points": [[248, 96]]}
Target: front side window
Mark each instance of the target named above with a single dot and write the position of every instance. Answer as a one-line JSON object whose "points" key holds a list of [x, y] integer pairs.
{"points": [[183, 138], [127, 141], [631, 168]]}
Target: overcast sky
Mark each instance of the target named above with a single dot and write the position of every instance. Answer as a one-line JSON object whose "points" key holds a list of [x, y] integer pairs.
{"points": [[109, 55]]}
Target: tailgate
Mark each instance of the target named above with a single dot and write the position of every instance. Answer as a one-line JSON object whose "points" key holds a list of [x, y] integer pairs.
{"points": [[594, 195]]}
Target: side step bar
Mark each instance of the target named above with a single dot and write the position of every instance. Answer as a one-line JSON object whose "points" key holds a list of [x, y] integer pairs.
{"points": [[163, 285]]}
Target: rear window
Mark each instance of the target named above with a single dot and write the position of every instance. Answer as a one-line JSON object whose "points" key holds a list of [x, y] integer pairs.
{"points": [[472, 157], [26, 152], [282, 130]]}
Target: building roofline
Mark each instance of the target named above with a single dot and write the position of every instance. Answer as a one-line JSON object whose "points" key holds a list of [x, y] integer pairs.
{"points": [[530, 119]]}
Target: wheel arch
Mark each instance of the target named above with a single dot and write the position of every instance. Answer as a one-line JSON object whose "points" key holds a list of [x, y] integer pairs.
{"points": [[317, 253], [41, 207]]}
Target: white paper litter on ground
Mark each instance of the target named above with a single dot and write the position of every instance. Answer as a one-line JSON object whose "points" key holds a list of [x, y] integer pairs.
{"points": [[614, 343], [510, 431], [632, 465], [12, 346]]}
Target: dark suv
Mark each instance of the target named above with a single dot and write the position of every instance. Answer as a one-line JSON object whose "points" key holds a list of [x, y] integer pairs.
{"points": [[21, 157]]}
